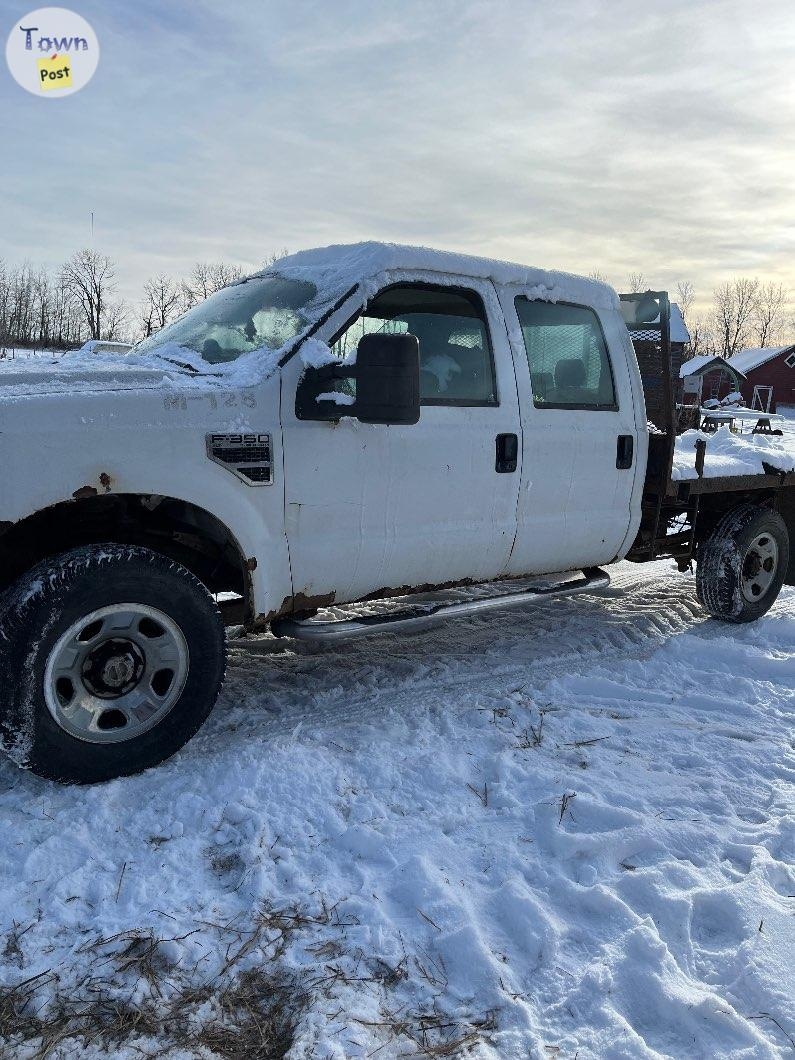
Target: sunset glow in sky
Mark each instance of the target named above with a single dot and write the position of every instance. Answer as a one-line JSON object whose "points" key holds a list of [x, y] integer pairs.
{"points": [[578, 135]]}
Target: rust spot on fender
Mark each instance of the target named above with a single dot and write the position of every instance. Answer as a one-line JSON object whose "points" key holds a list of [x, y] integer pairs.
{"points": [[284, 608], [301, 602], [389, 591], [250, 620], [85, 491], [302, 606], [299, 605]]}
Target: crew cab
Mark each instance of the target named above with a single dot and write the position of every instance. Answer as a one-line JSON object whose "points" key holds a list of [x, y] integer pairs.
{"points": [[355, 422]]}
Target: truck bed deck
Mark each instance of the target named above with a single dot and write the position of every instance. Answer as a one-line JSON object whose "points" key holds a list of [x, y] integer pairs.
{"points": [[683, 489], [678, 512]]}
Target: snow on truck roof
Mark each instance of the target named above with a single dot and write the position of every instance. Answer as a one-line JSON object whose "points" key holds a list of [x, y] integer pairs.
{"points": [[344, 265]]}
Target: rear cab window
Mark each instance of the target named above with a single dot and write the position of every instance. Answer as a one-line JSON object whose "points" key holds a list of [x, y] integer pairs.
{"points": [[567, 355]]}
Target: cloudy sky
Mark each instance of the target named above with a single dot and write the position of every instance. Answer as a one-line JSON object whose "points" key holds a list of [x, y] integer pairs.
{"points": [[582, 135]]}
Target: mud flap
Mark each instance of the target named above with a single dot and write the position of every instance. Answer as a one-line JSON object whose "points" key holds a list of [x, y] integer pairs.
{"points": [[786, 507]]}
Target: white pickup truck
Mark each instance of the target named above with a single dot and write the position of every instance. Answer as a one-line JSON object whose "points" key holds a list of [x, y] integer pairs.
{"points": [[356, 422]]}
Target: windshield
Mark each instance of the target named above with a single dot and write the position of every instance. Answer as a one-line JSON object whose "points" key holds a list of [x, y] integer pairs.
{"points": [[265, 311]]}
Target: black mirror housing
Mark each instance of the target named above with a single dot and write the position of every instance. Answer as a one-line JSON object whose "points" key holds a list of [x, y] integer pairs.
{"points": [[388, 379], [387, 374]]}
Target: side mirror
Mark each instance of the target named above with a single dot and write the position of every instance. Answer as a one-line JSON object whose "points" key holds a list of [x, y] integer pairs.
{"points": [[388, 379], [387, 375]]}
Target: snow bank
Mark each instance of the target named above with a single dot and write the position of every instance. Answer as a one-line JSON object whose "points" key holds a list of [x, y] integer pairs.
{"points": [[734, 454], [561, 831]]}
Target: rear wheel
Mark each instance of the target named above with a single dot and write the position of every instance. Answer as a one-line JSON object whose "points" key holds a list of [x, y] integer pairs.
{"points": [[742, 564], [111, 657]]}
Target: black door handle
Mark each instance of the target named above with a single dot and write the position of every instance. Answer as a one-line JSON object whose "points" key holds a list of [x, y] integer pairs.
{"points": [[625, 451], [507, 454]]}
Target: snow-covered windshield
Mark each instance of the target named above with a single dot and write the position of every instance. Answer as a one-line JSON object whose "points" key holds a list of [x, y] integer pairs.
{"points": [[263, 311]]}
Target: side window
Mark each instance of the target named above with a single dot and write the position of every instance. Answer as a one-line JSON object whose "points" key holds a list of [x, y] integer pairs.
{"points": [[566, 350], [456, 365]]}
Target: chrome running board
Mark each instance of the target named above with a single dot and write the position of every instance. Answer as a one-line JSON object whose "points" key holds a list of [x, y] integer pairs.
{"points": [[422, 616]]}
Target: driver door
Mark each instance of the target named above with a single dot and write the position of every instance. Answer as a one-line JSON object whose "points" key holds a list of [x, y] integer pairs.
{"points": [[373, 507]]}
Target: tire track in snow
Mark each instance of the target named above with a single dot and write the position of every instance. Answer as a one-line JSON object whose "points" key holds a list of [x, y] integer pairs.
{"points": [[559, 638]]}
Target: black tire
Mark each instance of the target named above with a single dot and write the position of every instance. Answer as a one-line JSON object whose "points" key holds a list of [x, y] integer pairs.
{"points": [[722, 567], [57, 594]]}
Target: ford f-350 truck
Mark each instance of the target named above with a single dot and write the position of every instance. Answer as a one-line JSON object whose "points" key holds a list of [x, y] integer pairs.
{"points": [[356, 422]]}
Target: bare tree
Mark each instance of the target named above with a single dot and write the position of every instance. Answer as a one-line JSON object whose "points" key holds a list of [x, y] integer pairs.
{"points": [[769, 312], [42, 306], [162, 302], [205, 279], [222, 274], [274, 256], [5, 305], [702, 337], [88, 276], [197, 286], [115, 321], [598, 275], [636, 282], [734, 307], [66, 327], [685, 296], [35, 309], [20, 323]]}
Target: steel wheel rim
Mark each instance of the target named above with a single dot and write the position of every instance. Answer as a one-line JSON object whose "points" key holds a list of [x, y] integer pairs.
{"points": [[760, 566], [116, 673]]}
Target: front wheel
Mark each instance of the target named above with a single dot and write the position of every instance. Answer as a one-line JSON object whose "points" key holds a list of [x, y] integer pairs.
{"points": [[111, 657], [742, 565]]}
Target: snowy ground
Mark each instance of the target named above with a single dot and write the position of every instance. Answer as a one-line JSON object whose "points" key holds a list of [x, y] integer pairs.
{"points": [[17, 353], [562, 831]]}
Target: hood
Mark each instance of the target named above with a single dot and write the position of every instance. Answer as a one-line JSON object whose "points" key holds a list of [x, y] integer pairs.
{"points": [[73, 375]]}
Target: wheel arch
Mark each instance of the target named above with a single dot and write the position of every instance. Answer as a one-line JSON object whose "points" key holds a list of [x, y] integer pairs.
{"points": [[713, 507], [786, 507], [171, 526], [726, 587]]}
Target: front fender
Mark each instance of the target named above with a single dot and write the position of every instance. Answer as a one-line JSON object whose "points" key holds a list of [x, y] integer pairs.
{"points": [[66, 447]]}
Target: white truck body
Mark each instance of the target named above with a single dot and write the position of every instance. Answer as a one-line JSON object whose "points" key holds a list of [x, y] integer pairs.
{"points": [[354, 423], [352, 508]]}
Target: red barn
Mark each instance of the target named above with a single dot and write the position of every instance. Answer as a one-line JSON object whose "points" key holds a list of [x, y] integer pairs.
{"points": [[709, 376], [769, 376]]}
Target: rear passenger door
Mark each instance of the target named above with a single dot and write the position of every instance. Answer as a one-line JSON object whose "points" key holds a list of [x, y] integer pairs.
{"points": [[580, 438]]}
